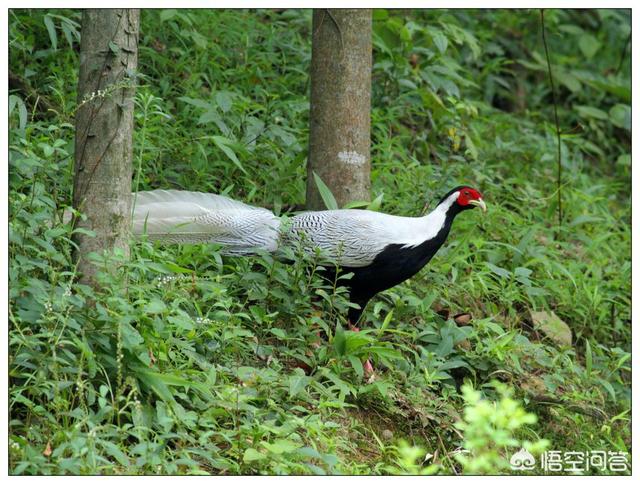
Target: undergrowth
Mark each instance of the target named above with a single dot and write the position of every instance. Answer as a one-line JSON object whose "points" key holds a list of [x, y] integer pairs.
{"points": [[188, 362]]}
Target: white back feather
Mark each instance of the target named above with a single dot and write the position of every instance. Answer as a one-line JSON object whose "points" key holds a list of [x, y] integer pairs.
{"points": [[355, 237]]}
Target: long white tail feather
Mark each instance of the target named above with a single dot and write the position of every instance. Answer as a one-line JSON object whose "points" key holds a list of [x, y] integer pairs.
{"points": [[192, 217]]}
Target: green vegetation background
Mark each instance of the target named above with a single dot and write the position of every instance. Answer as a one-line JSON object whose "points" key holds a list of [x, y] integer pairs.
{"points": [[191, 363]]}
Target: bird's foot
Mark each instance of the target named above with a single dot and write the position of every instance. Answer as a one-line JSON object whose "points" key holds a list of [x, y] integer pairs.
{"points": [[369, 372]]}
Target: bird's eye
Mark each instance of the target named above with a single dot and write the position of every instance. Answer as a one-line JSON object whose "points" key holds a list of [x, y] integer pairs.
{"points": [[466, 192]]}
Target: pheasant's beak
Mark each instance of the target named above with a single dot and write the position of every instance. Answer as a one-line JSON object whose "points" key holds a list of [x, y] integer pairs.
{"points": [[479, 203]]}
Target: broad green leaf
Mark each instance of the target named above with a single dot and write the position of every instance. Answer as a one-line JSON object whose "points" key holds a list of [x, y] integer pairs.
{"points": [[297, 382], [181, 321], [281, 446], [130, 336], [440, 40], [570, 81], [624, 160], [498, 270], [155, 306], [589, 45], [591, 112], [376, 203], [167, 14], [620, 115], [357, 365], [224, 100], [327, 197], [355, 340], [339, 341], [51, 28], [380, 14], [225, 145], [115, 452], [251, 455], [200, 103]]}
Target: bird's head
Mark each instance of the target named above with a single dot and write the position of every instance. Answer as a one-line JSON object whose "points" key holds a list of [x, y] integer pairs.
{"points": [[466, 198], [470, 197]]}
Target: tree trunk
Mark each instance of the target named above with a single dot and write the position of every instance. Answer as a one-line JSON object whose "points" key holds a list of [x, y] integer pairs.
{"points": [[104, 132], [339, 138]]}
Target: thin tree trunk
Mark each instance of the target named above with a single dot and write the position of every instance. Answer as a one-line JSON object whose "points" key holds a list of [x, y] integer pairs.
{"points": [[104, 132], [339, 138]]}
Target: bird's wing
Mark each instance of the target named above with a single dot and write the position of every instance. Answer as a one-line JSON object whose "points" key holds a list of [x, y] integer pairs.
{"points": [[353, 238], [192, 217]]}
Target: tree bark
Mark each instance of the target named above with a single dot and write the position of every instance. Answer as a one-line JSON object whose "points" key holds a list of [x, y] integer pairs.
{"points": [[339, 138], [104, 132]]}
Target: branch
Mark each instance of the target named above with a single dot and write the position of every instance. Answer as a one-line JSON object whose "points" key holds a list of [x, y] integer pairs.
{"points": [[555, 115]]}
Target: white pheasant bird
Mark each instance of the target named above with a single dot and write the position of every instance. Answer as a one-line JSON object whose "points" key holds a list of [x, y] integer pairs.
{"points": [[381, 250]]}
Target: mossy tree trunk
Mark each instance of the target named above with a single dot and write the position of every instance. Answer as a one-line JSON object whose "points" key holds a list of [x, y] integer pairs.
{"points": [[340, 125], [104, 132]]}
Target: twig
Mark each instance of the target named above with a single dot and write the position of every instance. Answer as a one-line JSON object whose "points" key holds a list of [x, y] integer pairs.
{"points": [[325, 12], [555, 115]]}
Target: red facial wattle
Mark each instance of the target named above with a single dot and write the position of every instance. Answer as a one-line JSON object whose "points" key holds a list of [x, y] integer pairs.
{"points": [[470, 196]]}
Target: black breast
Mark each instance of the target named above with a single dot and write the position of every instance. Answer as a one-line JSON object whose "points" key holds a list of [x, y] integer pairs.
{"points": [[392, 266]]}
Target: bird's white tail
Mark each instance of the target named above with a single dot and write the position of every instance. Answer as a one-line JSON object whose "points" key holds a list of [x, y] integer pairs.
{"points": [[176, 216]]}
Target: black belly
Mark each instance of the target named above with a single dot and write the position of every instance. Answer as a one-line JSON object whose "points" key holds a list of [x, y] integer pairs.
{"points": [[392, 266], [395, 264]]}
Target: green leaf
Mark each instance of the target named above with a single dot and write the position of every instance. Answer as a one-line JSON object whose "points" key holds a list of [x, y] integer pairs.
{"points": [[620, 116], [355, 340], [168, 14], [115, 452], [155, 306], [624, 160], [130, 336], [591, 112], [498, 270], [297, 382], [356, 204], [589, 45], [440, 40], [51, 28], [376, 203], [281, 446], [327, 197], [357, 365], [588, 358], [380, 14], [175, 268], [199, 103], [224, 100], [225, 145], [181, 321], [14, 101], [251, 455], [570, 81], [339, 341]]}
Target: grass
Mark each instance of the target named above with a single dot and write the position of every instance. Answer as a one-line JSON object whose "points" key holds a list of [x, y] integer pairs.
{"points": [[189, 362]]}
